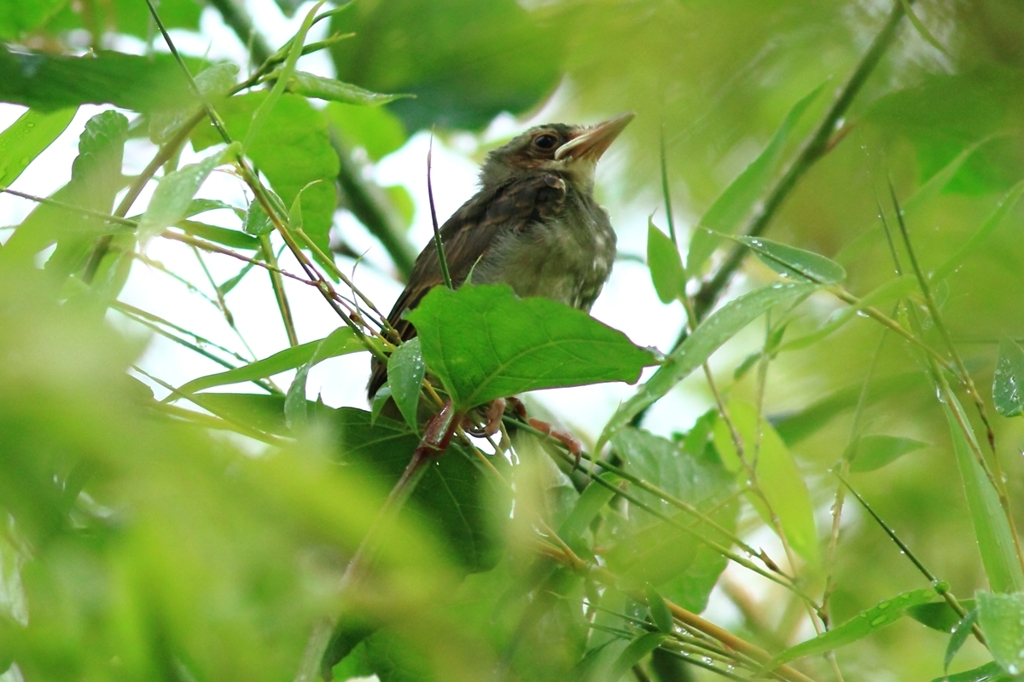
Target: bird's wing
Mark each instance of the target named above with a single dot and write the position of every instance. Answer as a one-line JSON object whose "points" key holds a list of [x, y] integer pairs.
{"points": [[467, 237]]}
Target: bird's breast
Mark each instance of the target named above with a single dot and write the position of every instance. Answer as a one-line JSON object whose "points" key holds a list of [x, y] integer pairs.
{"points": [[567, 257]]}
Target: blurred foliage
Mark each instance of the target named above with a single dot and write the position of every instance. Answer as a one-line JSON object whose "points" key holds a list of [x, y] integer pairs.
{"points": [[183, 530]]}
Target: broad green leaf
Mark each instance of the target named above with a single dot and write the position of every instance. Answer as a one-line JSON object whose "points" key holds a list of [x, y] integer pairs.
{"points": [[665, 264], [406, 370], [292, 150], [17, 18], [341, 341], [1008, 382], [1001, 617], [860, 626], [219, 235], [739, 197], [27, 137], [991, 528], [677, 562], [868, 453], [310, 85], [793, 262], [126, 16], [483, 343], [637, 650], [374, 129], [214, 83], [53, 82], [456, 496], [777, 474], [173, 195], [465, 61], [721, 326], [660, 613], [938, 615]]}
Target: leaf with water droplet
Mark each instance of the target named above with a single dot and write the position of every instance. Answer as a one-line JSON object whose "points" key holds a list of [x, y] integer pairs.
{"points": [[790, 261], [1001, 618], [857, 628], [406, 370], [1008, 382]]}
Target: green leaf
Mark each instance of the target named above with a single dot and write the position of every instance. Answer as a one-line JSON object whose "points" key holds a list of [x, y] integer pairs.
{"points": [[214, 83], [257, 222], [960, 634], [860, 626], [374, 129], [1008, 382], [665, 264], [721, 326], [739, 197], [18, 18], [777, 473], [457, 496], [637, 650], [483, 343], [654, 551], [868, 453], [938, 615], [465, 61], [1001, 618], [793, 262], [53, 82], [341, 341], [310, 85], [991, 528], [173, 195], [588, 505], [292, 150], [990, 672], [27, 137], [406, 370], [660, 614], [1008, 202], [219, 235]]}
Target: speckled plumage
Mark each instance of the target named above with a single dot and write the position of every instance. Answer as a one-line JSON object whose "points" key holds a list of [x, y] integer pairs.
{"points": [[534, 225]]}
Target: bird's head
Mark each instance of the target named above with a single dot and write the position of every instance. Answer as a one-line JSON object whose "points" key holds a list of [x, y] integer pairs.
{"points": [[570, 150]]}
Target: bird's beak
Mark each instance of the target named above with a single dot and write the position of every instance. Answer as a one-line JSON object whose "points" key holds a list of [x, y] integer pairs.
{"points": [[590, 143]]}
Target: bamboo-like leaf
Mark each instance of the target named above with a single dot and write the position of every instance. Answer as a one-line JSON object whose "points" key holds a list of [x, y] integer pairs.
{"points": [[991, 527], [871, 452], [777, 473], [1008, 382], [341, 341], [990, 672], [637, 650], [173, 196], [665, 264], [739, 197], [660, 613], [331, 90], [793, 262], [961, 632], [860, 626], [1007, 203], [27, 137], [721, 326]]}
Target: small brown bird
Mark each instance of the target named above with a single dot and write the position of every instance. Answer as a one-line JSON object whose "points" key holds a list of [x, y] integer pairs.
{"points": [[534, 225]]}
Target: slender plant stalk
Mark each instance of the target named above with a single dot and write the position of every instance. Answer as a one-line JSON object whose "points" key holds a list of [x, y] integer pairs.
{"points": [[814, 149]]}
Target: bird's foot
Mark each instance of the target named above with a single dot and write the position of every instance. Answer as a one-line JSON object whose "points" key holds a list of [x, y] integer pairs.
{"points": [[571, 443]]}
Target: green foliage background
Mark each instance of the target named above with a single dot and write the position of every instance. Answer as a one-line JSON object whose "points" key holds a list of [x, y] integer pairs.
{"points": [[201, 531]]}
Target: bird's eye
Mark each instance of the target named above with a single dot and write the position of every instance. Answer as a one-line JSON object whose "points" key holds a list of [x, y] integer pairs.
{"points": [[545, 141]]}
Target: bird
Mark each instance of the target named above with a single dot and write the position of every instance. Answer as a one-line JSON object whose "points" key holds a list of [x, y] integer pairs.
{"points": [[534, 225]]}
